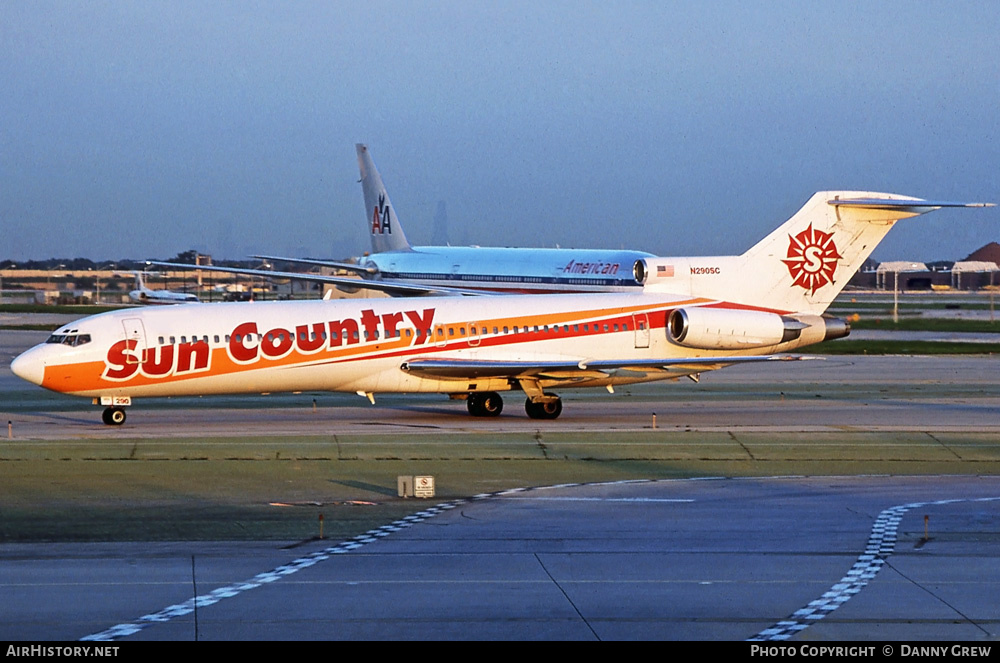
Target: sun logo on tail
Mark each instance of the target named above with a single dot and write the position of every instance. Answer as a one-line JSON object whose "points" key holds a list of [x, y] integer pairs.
{"points": [[812, 259]]}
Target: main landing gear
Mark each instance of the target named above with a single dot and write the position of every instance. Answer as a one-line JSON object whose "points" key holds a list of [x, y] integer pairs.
{"points": [[113, 416], [489, 404], [486, 404], [549, 409]]}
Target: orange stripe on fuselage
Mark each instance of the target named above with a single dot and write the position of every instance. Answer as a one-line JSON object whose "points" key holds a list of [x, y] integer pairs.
{"points": [[88, 377]]}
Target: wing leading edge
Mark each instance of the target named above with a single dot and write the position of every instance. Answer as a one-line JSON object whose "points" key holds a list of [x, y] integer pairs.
{"points": [[465, 369], [394, 288]]}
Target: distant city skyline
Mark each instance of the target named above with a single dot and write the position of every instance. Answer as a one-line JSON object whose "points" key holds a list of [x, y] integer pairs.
{"points": [[142, 130]]}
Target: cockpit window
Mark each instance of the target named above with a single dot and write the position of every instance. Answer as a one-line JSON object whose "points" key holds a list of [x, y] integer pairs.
{"points": [[69, 339]]}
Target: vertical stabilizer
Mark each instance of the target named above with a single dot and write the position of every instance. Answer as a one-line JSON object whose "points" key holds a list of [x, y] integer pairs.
{"points": [[383, 224], [804, 264]]}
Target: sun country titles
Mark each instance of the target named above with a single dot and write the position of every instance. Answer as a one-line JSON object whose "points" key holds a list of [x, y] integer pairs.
{"points": [[246, 344]]}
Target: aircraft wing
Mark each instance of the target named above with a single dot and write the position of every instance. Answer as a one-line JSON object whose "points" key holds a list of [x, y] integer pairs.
{"points": [[393, 288], [349, 266], [463, 369]]}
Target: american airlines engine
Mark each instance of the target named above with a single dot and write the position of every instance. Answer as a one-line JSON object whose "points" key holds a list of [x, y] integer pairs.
{"points": [[692, 315]]}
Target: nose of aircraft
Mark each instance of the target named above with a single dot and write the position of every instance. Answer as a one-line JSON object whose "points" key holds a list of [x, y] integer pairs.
{"points": [[28, 366]]}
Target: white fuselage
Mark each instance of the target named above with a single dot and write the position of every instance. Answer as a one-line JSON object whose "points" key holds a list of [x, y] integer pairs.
{"points": [[362, 345]]}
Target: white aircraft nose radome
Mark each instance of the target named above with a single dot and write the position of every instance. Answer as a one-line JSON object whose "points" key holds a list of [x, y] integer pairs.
{"points": [[28, 368]]}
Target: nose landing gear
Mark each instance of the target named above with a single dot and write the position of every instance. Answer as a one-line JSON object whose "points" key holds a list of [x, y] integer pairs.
{"points": [[113, 416]]}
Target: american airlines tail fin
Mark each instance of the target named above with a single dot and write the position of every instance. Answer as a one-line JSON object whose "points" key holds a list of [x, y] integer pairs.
{"points": [[383, 224], [804, 264]]}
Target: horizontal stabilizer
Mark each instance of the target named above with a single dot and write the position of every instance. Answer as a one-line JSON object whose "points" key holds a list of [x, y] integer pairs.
{"points": [[913, 205]]}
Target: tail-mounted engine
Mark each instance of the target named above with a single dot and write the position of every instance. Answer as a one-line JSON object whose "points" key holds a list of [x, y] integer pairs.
{"points": [[728, 329]]}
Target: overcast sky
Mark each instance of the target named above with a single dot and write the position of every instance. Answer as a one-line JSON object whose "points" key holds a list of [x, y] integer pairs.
{"points": [[143, 129]]}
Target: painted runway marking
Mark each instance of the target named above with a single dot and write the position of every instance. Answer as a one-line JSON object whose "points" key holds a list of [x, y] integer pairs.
{"points": [[261, 579], [285, 570], [881, 544]]}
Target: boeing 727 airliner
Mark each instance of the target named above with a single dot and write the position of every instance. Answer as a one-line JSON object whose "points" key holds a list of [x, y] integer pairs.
{"points": [[692, 315]]}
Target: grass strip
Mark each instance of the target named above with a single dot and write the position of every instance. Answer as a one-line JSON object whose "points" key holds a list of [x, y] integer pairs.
{"points": [[276, 488]]}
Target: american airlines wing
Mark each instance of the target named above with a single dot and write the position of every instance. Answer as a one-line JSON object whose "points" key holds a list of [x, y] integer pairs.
{"points": [[349, 266], [394, 288]]}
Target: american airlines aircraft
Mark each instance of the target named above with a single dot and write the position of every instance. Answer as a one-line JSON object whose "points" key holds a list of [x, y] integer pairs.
{"points": [[143, 295], [692, 315], [399, 269]]}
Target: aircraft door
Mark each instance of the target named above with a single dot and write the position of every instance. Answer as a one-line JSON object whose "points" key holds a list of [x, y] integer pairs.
{"points": [[134, 331], [640, 322], [474, 337]]}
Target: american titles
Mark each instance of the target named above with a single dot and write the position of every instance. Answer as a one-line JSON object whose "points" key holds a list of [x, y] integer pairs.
{"points": [[575, 267]]}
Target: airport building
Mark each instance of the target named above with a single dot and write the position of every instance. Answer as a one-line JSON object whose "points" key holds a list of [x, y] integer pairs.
{"points": [[110, 286], [975, 272]]}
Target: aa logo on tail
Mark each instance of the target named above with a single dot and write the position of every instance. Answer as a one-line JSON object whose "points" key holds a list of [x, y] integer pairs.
{"points": [[380, 219], [812, 259]]}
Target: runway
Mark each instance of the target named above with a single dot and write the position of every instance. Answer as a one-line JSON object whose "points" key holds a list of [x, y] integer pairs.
{"points": [[811, 559], [806, 558]]}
